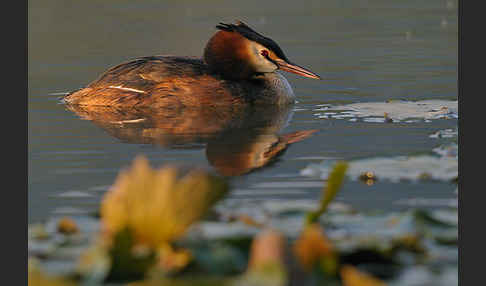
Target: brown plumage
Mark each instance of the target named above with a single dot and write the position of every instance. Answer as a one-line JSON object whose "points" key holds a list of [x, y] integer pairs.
{"points": [[238, 68]]}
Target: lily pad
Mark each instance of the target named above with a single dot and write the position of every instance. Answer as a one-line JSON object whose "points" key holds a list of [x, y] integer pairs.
{"points": [[445, 133], [394, 111], [394, 169]]}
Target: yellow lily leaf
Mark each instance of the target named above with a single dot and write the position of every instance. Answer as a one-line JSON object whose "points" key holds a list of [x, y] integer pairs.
{"points": [[313, 247], [173, 260], [157, 205], [351, 276]]}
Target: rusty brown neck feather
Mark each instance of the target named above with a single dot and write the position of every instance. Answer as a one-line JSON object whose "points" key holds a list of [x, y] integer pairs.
{"points": [[226, 53]]}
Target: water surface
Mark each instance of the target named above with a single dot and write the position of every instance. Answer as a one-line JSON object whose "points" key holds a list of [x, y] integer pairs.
{"points": [[366, 51]]}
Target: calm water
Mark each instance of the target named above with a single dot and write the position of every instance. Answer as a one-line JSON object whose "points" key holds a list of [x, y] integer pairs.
{"points": [[366, 51]]}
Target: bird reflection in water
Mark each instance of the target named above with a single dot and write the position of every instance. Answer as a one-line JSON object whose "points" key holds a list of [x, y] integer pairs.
{"points": [[237, 140]]}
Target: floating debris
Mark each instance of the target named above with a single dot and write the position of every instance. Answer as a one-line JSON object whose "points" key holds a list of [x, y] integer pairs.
{"points": [[446, 133], [66, 210], [74, 194], [289, 184], [427, 202], [102, 188], [67, 226], [394, 111], [394, 169], [450, 150], [59, 93], [374, 119], [368, 178]]}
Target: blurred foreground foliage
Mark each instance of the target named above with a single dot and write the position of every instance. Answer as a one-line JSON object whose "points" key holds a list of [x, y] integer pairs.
{"points": [[334, 183], [146, 210], [157, 205], [154, 231]]}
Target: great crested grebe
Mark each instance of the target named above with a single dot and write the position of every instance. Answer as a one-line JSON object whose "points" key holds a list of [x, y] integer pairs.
{"points": [[238, 67]]}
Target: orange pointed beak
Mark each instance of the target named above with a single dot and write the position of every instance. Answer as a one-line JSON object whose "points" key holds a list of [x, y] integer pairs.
{"points": [[293, 68]]}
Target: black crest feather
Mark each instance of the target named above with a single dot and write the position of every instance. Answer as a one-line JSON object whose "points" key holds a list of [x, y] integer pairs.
{"points": [[247, 32]]}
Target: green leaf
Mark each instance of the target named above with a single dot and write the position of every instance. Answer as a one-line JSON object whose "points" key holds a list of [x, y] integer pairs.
{"points": [[334, 182]]}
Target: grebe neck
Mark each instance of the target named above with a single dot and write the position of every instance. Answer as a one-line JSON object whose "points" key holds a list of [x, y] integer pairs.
{"points": [[277, 89]]}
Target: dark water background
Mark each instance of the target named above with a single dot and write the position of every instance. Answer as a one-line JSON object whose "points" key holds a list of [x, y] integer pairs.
{"points": [[366, 51]]}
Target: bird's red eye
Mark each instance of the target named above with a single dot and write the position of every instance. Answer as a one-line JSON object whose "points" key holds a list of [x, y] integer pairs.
{"points": [[265, 53]]}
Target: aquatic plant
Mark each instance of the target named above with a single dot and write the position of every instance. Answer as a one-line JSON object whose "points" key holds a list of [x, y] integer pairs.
{"points": [[146, 210], [156, 205], [334, 182], [313, 248], [344, 247]]}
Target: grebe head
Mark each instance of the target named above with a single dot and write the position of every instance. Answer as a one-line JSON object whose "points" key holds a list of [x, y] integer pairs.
{"points": [[238, 52]]}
